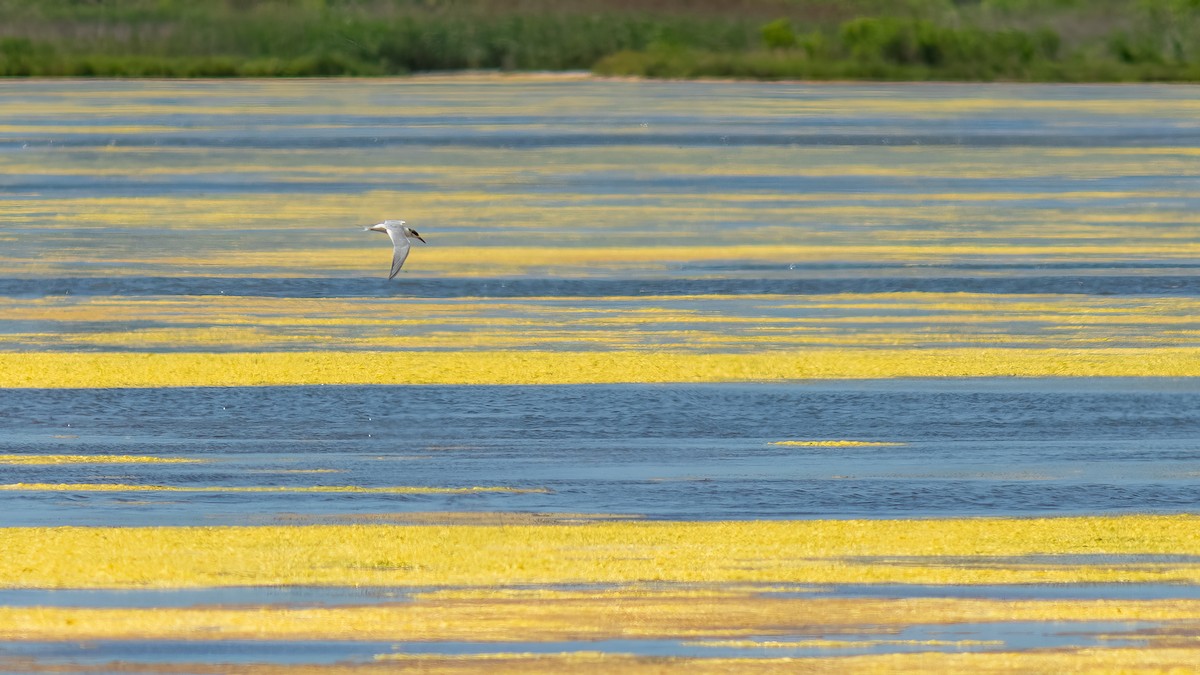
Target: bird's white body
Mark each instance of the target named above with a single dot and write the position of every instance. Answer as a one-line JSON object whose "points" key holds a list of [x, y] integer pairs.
{"points": [[400, 235]]}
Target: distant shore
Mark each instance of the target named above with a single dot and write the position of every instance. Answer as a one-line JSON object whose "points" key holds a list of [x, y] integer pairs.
{"points": [[918, 40]]}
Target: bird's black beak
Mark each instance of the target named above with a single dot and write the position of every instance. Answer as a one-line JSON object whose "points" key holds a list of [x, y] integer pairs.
{"points": [[419, 237]]}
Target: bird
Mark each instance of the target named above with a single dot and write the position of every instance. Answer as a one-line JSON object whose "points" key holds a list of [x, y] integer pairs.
{"points": [[400, 234]]}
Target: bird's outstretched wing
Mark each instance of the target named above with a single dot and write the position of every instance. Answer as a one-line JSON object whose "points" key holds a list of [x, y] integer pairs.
{"points": [[400, 248]]}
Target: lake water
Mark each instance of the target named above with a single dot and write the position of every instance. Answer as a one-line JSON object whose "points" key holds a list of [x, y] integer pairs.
{"points": [[967, 448], [566, 213]]}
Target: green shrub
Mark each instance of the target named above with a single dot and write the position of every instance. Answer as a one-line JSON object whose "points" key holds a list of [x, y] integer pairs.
{"points": [[920, 39], [779, 34]]}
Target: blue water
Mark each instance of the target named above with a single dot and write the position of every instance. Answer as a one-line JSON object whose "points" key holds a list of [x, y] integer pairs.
{"points": [[1002, 635], [357, 596], [971, 448], [1135, 280]]}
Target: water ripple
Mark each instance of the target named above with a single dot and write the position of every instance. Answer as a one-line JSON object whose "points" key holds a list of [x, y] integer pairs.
{"points": [[527, 287]]}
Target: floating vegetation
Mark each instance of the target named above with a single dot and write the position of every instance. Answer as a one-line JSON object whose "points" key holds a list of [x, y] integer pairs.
{"points": [[121, 487], [94, 459], [838, 444], [697, 586], [842, 644], [69, 369], [1141, 659], [504, 620], [1014, 550], [479, 261], [704, 232], [685, 323], [453, 518]]}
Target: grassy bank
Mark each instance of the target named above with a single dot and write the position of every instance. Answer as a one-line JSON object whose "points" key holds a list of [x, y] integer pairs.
{"points": [[820, 39]]}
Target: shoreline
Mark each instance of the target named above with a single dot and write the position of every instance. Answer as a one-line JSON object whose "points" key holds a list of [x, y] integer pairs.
{"points": [[485, 76]]}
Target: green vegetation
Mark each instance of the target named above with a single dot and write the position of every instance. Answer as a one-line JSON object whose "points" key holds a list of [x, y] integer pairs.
{"points": [[1049, 40]]}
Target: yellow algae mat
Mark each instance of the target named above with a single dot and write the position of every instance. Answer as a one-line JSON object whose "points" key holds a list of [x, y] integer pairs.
{"points": [[753, 585], [830, 551], [61, 369], [1175, 661], [128, 487], [692, 323]]}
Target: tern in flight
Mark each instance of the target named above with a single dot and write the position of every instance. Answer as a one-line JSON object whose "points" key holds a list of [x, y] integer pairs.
{"points": [[400, 234]]}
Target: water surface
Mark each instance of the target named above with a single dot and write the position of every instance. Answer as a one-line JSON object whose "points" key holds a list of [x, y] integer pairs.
{"points": [[975, 447], [587, 215]]}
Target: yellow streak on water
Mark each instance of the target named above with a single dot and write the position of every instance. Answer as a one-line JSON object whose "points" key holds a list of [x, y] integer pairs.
{"points": [[675, 323], [841, 644], [1173, 660], [837, 444], [676, 580], [61, 369], [234, 308], [875, 212], [1145, 660], [768, 162], [124, 487], [461, 261], [93, 459], [807, 552], [455, 518], [563, 620]]}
